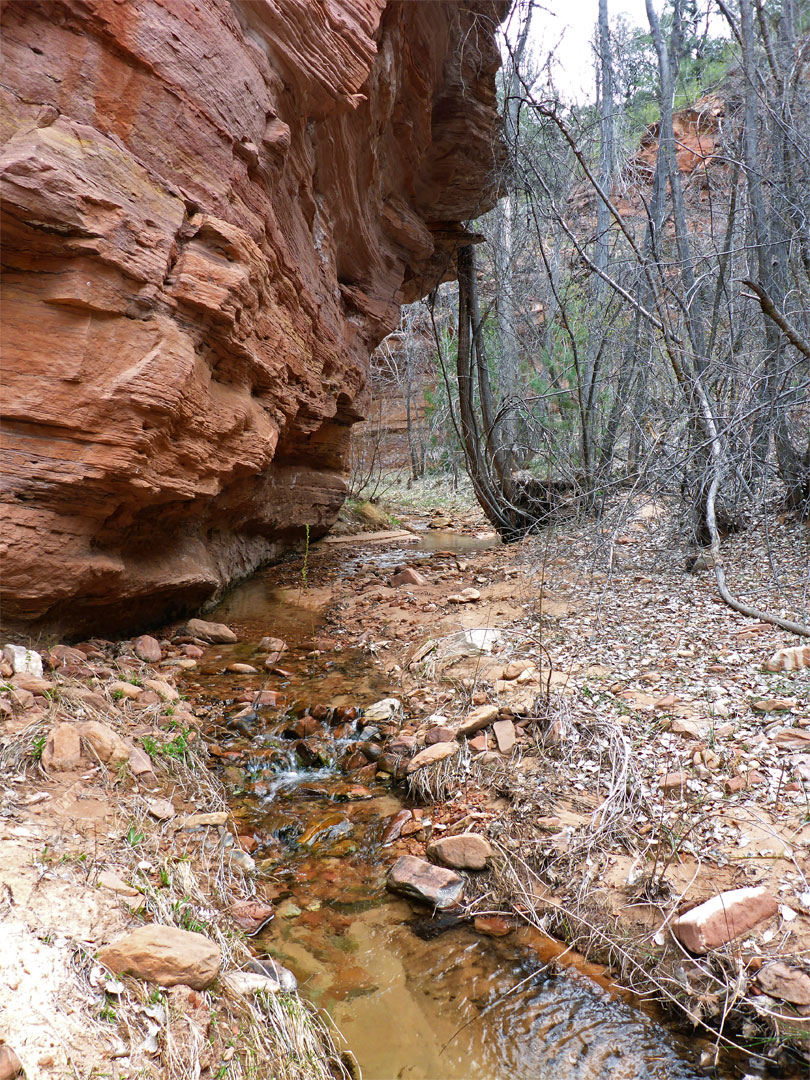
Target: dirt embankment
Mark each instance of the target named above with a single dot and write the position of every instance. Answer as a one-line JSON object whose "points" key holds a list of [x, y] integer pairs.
{"points": [[126, 893]]}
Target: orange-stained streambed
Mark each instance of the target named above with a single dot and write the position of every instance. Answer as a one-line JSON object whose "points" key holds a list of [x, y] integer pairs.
{"points": [[411, 998]]}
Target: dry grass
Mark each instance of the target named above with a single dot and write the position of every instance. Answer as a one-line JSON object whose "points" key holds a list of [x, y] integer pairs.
{"points": [[186, 881], [437, 782], [553, 883]]}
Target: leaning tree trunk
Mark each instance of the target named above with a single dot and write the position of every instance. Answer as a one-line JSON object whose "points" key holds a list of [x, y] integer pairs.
{"points": [[513, 507]]}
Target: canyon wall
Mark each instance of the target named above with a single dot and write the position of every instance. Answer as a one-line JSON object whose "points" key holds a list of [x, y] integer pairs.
{"points": [[211, 212]]}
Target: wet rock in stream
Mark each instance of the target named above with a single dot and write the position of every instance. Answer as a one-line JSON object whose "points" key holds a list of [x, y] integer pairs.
{"points": [[421, 880], [313, 789], [428, 928], [233, 776], [310, 753], [355, 760], [344, 731], [393, 830], [493, 925], [349, 792], [302, 728], [356, 951], [371, 750], [326, 832], [367, 774], [251, 915]]}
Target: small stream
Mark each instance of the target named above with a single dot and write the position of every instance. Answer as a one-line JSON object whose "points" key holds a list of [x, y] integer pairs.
{"points": [[412, 998]]}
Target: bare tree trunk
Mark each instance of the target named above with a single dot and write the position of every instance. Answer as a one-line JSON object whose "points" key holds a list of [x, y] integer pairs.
{"points": [[607, 167], [668, 63], [472, 438], [505, 258]]}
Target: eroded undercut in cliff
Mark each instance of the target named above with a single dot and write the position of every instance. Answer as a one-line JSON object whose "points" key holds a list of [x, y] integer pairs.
{"points": [[211, 215]]}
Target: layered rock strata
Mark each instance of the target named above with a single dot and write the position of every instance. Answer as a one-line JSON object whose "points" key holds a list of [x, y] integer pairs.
{"points": [[212, 211]]}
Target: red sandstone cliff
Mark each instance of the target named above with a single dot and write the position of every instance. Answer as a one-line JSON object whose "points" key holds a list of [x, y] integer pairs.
{"points": [[211, 213]]}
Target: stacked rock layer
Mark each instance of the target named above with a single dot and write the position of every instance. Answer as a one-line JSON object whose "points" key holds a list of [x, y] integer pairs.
{"points": [[212, 212]]}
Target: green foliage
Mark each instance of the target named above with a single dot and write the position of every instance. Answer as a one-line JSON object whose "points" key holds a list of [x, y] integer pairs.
{"points": [[187, 918], [705, 63], [108, 1012], [305, 565], [150, 745], [134, 836], [175, 748], [38, 745]]}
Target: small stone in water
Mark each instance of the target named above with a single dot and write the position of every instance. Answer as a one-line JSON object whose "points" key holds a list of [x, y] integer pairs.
{"points": [[303, 727], [353, 792], [326, 831], [251, 915], [395, 826], [357, 760], [309, 753], [421, 880], [492, 925], [344, 731], [213, 633], [366, 775]]}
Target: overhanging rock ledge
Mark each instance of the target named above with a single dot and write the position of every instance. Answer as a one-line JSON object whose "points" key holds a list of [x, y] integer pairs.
{"points": [[211, 214]]}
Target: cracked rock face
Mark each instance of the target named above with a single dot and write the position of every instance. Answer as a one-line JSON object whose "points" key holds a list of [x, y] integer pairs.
{"points": [[211, 214]]}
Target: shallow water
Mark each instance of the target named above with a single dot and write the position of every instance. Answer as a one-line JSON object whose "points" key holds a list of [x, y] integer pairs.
{"points": [[453, 1006], [462, 1005], [458, 543]]}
